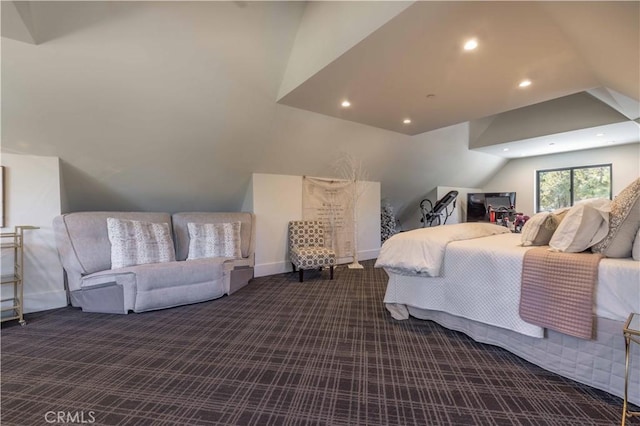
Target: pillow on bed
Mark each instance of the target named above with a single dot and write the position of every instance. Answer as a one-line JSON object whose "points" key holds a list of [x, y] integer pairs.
{"points": [[214, 240], [623, 223], [635, 251], [538, 230], [534, 233], [586, 223], [135, 243]]}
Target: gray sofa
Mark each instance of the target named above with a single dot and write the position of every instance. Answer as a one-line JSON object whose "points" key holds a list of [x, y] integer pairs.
{"points": [[85, 252]]}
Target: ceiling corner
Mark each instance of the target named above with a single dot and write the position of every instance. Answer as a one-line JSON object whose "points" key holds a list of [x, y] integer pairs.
{"points": [[17, 23]]}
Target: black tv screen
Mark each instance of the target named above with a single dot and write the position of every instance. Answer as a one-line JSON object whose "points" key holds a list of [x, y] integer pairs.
{"points": [[478, 203]]}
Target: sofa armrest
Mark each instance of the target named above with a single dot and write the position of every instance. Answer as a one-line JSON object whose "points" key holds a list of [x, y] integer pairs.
{"points": [[67, 254]]}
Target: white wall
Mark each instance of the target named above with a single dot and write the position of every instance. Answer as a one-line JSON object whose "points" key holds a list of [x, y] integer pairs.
{"points": [[32, 197], [413, 221], [460, 213], [520, 175], [277, 199]]}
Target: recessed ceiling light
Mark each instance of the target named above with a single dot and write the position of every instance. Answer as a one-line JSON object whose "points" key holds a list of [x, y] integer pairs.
{"points": [[600, 134], [346, 104], [471, 44], [406, 121], [525, 83], [505, 149]]}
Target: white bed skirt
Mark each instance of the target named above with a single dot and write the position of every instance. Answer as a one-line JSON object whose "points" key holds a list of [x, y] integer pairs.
{"points": [[598, 363]]}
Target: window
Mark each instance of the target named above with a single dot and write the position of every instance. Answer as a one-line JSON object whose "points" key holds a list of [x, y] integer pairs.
{"points": [[564, 187]]}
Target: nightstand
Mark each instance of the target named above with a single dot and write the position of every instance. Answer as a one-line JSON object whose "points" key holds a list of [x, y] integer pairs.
{"points": [[631, 332]]}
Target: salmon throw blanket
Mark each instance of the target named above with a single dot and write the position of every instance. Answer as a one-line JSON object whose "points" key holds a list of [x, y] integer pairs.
{"points": [[557, 290]]}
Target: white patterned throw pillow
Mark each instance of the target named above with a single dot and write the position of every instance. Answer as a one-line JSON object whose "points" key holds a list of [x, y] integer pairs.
{"points": [[214, 240], [624, 223], [135, 243]]}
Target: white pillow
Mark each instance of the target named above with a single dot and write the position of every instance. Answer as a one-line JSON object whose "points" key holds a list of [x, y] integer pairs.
{"points": [[214, 240], [538, 230], [534, 233], [586, 223], [635, 251], [135, 243]]}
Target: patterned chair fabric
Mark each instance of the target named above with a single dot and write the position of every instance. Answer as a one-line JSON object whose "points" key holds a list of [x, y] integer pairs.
{"points": [[306, 247]]}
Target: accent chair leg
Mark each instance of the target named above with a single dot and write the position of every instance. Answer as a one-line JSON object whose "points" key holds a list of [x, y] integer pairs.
{"points": [[301, 274], [294, 266], [331, 272]]}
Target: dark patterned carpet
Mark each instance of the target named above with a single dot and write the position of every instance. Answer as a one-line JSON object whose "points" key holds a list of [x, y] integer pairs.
{"points": [[277, 352]]}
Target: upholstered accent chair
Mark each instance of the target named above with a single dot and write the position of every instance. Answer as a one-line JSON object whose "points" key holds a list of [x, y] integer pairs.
{"points": [[306, 247]]}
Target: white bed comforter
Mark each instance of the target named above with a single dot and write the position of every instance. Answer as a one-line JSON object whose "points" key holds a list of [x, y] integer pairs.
{"points": [[421, 251], [481, 280]]}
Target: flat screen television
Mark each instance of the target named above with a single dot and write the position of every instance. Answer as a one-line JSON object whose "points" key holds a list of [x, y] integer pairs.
{"points": [[478, 202]]}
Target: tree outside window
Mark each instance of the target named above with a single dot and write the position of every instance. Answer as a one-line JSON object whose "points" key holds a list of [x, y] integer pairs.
{"points": [[559, 188]]}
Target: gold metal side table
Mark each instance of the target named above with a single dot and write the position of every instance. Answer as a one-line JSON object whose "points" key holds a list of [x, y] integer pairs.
{"points": [[631, 333], [13, 243]]}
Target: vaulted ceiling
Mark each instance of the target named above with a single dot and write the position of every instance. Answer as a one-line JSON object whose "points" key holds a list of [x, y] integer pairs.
{"points": [[415, 67], [171, 106]]}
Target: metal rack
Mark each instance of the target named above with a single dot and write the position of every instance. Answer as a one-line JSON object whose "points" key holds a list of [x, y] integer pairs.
{"points": [[12, 243], [631, 332]]}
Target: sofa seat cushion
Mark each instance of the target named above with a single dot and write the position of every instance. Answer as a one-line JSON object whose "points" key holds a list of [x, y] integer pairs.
{"points": [[167, 274], [162, 285]]}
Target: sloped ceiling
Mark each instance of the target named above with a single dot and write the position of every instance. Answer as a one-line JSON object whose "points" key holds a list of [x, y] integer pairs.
{"points": [[171, 106], [16, 22]]}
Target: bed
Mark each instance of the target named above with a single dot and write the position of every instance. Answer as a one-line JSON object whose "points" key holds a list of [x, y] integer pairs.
{"points": [[467, 277]]}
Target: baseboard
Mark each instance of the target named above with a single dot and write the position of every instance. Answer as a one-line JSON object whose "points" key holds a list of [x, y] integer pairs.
{"points": [[265, 269], [273, 268], [362, 255], [368, 254]]}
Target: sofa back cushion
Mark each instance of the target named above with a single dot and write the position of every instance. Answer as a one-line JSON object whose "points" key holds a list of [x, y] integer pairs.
{"points": [[88, 238], [181, 230]]}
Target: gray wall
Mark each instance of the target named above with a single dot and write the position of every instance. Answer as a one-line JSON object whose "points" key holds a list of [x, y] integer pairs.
{"points": [[172, 106]]}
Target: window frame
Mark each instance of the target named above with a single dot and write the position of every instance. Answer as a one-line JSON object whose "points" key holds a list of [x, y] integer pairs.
{"points": [[571, 177]]}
